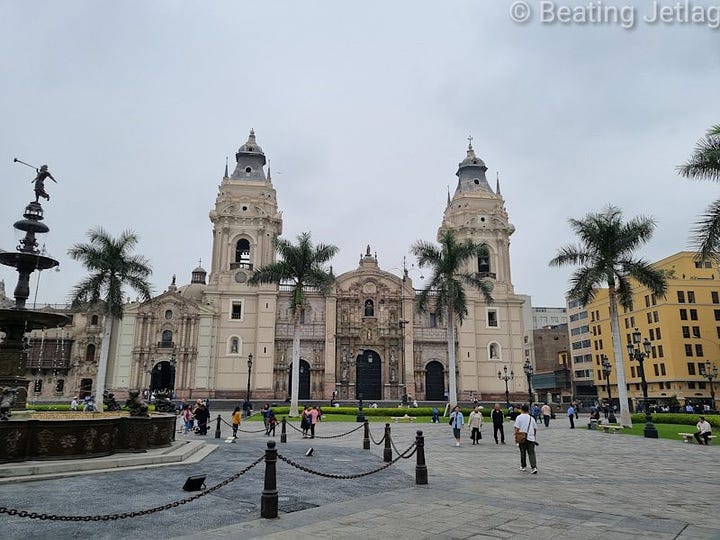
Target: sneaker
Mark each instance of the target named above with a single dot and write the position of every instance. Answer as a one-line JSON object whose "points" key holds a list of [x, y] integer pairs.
{"points": [[534, 471], [523, 469], [457, 444]]}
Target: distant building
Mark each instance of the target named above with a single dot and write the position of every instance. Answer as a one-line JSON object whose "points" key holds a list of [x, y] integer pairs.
{"points": [[581, 354]]}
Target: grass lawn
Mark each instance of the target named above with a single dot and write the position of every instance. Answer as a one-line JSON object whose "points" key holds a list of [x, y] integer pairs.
{"points": [[665, 431]]}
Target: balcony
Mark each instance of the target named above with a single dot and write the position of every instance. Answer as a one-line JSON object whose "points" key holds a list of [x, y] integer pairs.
{"points": [[166, 344], [242, 264], [488, 275]]}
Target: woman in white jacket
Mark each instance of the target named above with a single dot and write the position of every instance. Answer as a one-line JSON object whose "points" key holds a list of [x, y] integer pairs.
{"points": [[475, 422]]}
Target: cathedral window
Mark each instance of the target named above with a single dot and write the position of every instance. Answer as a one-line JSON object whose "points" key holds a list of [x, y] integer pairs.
{"points": [[483, 264], [302, 316], [236, 310], [242, 254], [168, 314], [167, 337], [369, 308], [492, 318], [90, 353], [60, 386], [94, 320], [433, 320]]}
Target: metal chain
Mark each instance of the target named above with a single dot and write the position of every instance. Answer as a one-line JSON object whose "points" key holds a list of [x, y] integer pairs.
{"points": [[343, 476], [373, 439], [135, 513], [398, 451], [327, 436]]}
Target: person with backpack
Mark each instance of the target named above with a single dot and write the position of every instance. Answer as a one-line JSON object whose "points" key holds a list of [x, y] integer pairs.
{"points": [[525, 437]]}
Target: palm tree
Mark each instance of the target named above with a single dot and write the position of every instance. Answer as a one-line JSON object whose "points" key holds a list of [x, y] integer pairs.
{"points": [[112, 266], [704, 164], [445, 291], [303, 266], [606, 256]]}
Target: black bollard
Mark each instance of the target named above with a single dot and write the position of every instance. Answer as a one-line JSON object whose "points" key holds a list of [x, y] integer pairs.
{"points": [[387, 451], [420, 467], [283, 432], [366, 437], [217, 428], [269, 500]]}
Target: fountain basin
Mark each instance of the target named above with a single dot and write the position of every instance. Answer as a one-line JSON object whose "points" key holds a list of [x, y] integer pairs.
{"points": [[82, 435]]}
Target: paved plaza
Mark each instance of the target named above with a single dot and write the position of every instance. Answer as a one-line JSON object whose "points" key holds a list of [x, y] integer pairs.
{"points": [[590, 486]]}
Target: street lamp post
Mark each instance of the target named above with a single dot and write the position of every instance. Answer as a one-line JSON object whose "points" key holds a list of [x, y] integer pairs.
{"points": [[711, 374], [504, 376], [607, 369], [529, 373], [638, 354], [249, 364]]}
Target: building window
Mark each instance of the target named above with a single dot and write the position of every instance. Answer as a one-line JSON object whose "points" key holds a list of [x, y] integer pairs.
{"points": [[369, 308], [655, 316], [90, 353], [632, 321], [167, 336], [627, 323], [717, 329], [94, 320], [699, 350], [681, 297], [492, 318], [652, 333], [242, 253], [653, 351], [649, 317], [688, 350], [236, 310], [302, 316], [60, 386], [693, 315], [686, 331], [691, 297], [717, 314], [683, 314], [433, 320], [168, 314], [701, 386], [696, 331], [662, 370], [691, 385], [661, 354], [715, 298], [483, 264], [657, 370], [37, 387], [691, 368], [632, 371], [647, 300], [657, 334], [653, 299]]}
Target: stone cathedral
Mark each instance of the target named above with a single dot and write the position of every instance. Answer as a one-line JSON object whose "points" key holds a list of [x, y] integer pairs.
{"points": [[364, 338]]}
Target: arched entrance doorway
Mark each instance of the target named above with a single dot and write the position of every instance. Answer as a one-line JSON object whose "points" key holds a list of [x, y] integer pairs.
{"points": [[435, 381], [304, 386], [368, 375], [162, 377]]}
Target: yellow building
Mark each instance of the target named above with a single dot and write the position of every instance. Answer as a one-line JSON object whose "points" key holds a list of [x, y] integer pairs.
{"points": [[683, 329]]}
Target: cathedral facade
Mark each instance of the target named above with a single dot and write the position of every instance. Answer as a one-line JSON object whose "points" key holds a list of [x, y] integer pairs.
{"points": [[218, 337]]}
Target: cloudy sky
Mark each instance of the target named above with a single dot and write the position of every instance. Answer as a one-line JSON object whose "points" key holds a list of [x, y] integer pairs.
{"points": [[363, 109]]}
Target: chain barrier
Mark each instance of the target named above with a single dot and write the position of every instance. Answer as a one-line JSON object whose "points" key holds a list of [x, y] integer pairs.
{"points": [[329, 436], [398, 451], [125, 515], [382, 440], [243, 430], [349, 476]]}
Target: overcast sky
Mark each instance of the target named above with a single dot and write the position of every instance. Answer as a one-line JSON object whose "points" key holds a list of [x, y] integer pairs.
{"points": [[363, 110]]}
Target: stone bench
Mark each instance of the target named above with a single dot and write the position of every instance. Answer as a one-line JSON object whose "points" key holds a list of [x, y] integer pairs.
{"points": [[400, 418], [689, 437], [609, 428]]}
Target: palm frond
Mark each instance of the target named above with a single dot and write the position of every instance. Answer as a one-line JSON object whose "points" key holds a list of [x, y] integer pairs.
{"points": [[643, 272], [704, 164], [706, 233], [570, 255]]}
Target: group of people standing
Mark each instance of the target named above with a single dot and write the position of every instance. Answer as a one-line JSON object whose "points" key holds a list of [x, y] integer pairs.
{"points": [[195, 418], [525, 431]]}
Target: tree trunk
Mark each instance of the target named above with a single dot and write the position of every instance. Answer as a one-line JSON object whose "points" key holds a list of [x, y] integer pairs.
{"points": [[452, 382], [295, 364], [619, 361], [102, 362]]}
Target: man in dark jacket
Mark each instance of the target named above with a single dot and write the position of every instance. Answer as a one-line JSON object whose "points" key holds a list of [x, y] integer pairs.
{"points": [[497, 420]]}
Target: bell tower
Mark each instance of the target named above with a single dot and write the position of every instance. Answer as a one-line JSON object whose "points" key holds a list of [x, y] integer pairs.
{"points": [[246, 221], [492, 334]]}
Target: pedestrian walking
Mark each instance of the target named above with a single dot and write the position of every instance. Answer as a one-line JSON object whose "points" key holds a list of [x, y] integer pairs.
{"points": [[525, 437], [475, 422], [576, 408], [236, 421], [271, 423], [305, 421], [314, 415], [546, 411], [187, 418], [498, 418], [456, 421], [571, 416]]}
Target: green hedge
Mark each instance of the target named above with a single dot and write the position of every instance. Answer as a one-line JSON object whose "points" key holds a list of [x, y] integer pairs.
{"points": [[382, 411], [677, 418]]}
